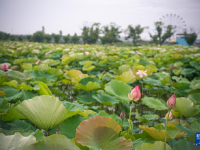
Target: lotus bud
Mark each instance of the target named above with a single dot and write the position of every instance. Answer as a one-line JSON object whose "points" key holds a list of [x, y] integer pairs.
{"points": [[4, 67], [104, 72], [171, 102], [180, 79], [38, 62], [171, 67], [170, 116], [122, 115], [135, 94]]}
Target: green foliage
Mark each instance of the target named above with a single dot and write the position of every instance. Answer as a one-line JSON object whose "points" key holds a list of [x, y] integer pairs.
{"points": [[190, 38], [56, 37], [134, 33], [38, 36], [66, 38], [90, 35], [47, 37], [75, 39], [161, 36], [111, 34]]}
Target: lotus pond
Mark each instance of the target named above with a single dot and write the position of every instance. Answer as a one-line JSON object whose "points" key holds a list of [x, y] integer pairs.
{"points": [[75, 97]]}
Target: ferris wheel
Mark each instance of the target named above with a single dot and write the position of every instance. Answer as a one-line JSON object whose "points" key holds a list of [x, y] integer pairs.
{"points": [[176, 21]]}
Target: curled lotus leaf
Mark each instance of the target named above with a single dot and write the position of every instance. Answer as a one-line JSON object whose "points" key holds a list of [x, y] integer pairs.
{"points": [[158, 132], [101, 133], [157, 145], [44, 111]]}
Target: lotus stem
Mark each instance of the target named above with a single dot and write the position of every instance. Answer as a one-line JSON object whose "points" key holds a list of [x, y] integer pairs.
{"points": [[130, 119], [166, 129]]}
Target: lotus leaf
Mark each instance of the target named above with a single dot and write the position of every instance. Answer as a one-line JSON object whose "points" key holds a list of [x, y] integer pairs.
{"points": [[126, 77], [44, 111], [186, 107], [195, 84], [88, 67], [177, 71], [16, 75], [184, 144], [4, 106], [12, 83], [106, 99], [157, 145], [101, 133], [16, 141], [54, 142], [87, 98], [11, 94], [186, 71], [36, 74], [152, 82], [12, 114], [90, 86], [158, 132], [76, 75], [44, 90], [27, 66], [156, 103], [118, 89], [122, 69]]}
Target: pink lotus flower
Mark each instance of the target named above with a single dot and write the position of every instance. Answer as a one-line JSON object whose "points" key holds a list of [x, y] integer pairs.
{"points": [[170, 116], [171, 102], [104, 72], [4, 67], [141, 73], [171, 67], [122, 115], [135, 94], [38, 62]]}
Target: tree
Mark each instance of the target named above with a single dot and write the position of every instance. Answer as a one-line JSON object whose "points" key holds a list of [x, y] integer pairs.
{"points": [[91, 35], [60, 32], [29, 37], [56, 37], [43, 29], [66, 38], [111, 34], [20, 38], [190, 36], [160, 37], [75, 39], [4, 36], [48, 38], [134, 33], [38, 36]]}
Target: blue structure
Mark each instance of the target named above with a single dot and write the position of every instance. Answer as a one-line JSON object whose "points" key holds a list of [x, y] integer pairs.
{"points": [[181, 41]]}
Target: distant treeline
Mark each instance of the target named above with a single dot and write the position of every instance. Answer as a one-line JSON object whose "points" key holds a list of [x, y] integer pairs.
{"points": [[109, 34]]}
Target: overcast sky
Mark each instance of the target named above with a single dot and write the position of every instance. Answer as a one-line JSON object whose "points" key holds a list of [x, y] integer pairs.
{"points": [[28, 16]]}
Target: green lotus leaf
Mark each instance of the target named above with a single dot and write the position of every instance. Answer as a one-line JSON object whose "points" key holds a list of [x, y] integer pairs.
{"points": [[88, 67], [178, 64], [54, 71], [44, 111], [2, 73], [195, 84], [87, 98], [4, 106], [195, 98], [186, 145], [177, 71], [27, 95], [76, 75], [152, 67], [118, 89], [152, 82], [139, 67], [37, 134], [157, 145], [12, 114], [101, 133], [186, 71], [183, 81], [35, 74], [25, 87], [44, 90], [51, 62], [156, 103], [11, 94], [19, 61], [16, 141], [12, 83], [186, 107], [158, 132], [126, 77], [27, 66], [164, 78], [90, 86], [145, 118], [2, 92], [106, 99], [122, 69], [65, 60], [87, 63], [41, 67], [19, 76], [54, 142], [86, 80], [113, 58]]}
